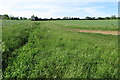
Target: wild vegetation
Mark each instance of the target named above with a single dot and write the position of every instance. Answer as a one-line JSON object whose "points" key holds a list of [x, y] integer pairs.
{"points": [[45, 50]]}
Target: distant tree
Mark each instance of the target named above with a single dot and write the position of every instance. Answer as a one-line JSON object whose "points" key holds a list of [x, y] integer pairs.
{"points": [[113, 17], [118, 17], [21, 18], [16, 18], [65, 18], [24, 18], [93, 18], [75, 18], [32, 17], [51, 18], [69, 17], [36, 18], [88, 18], [72, 18], [100, 18], [5, 16], [58, 18], [107, 18], [12, 18], [39, 18]]}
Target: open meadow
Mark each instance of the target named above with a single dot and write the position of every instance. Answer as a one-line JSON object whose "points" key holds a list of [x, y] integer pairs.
{"points": [[46, 49]]}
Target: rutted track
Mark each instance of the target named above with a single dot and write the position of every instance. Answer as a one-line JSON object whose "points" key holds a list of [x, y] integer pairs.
{"points": [[96, 31]]}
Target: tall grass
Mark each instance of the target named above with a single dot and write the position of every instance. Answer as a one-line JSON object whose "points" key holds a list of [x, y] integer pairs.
{"points": [[51, 52], [14, 35]]}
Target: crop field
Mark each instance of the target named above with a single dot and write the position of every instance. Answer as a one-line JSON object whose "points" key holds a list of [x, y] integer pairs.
{"points": [[45, 49], [111, 25]]}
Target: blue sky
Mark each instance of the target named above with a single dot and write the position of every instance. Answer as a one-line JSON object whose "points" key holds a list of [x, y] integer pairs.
{"points": [[55, 8]]}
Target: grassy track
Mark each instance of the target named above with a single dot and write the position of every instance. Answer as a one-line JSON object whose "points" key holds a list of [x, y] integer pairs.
{"points": [[52, 52]]}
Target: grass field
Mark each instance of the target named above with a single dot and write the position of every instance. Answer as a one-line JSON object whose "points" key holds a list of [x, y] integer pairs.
{"points": [[45, 50], [90, 24]]}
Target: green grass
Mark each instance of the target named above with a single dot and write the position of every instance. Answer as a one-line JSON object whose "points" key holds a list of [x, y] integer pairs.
{"points": [[14, 35], [89, 24], [51, 52], [0, 49]]}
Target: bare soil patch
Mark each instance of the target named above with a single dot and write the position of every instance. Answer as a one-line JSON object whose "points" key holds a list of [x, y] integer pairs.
{"points": [[96, 31]]}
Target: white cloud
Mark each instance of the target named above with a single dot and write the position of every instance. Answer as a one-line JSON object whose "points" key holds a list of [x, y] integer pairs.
{"points": [[87, 11], [93, 12], [28, 8]]}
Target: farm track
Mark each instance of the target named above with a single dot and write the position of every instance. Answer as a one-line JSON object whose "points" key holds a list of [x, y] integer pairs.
{"points": [[96, 31], [107, 32]]}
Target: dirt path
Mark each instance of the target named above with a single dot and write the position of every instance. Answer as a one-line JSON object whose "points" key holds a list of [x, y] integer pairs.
{"points": [[96, 31]]}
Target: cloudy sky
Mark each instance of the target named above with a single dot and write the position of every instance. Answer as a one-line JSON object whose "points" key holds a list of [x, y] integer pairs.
{"points": [[59, 8]]}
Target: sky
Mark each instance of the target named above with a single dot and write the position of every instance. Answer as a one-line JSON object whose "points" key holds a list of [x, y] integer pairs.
{"points": [[59, 8]]}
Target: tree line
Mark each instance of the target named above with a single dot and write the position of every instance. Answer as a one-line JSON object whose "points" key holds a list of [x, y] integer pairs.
{"points": [[35, 18], [7, 17]]}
